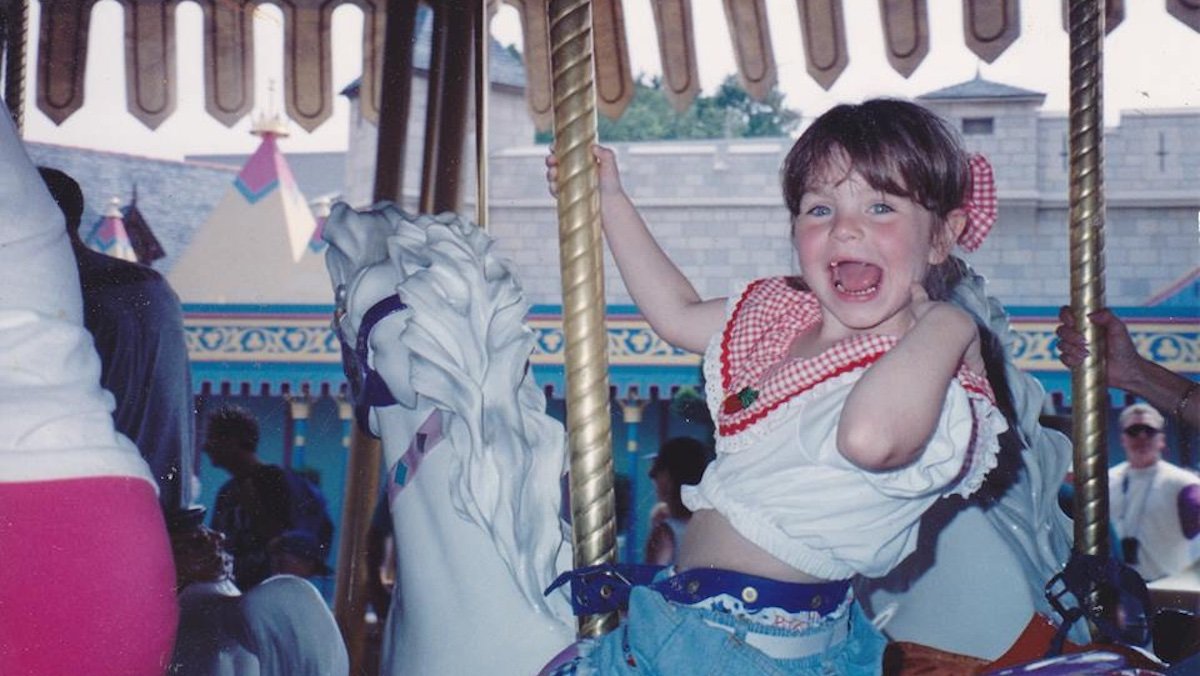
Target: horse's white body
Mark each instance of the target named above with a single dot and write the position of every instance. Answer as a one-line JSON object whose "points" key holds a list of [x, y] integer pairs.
{"points": [[473, 461]]}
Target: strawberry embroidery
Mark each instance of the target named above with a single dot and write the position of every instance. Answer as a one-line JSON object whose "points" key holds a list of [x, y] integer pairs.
{"points": [[739, 401]]}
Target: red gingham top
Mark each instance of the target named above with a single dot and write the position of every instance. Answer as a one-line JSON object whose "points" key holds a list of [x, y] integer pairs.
{"points": [[763, 324]]}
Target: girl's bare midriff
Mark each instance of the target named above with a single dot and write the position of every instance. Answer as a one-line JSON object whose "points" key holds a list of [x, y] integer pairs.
{"points": [[711, 542]]}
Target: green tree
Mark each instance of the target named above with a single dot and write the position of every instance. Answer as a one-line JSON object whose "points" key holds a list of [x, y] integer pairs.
{"points": [[730, 112]]}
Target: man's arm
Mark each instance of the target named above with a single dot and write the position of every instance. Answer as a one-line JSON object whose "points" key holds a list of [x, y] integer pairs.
{"points": [[1189, 510]]}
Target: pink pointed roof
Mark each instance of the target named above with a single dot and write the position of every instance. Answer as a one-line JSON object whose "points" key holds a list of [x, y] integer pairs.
{"points": [[109, 236], [255, 245]]}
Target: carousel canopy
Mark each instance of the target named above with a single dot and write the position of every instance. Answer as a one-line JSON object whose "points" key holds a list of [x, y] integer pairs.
{"points": [[989, 28]]}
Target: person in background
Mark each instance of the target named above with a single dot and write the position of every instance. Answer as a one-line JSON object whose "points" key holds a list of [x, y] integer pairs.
{"points": [[680, 462], [210, 640], [297, 552], [1154, 505], [291, 631], [136, 322], [1128, 370], [261, 501]]}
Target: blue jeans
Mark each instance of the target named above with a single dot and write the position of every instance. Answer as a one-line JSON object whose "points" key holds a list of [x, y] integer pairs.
{"points": [[660, 637]]}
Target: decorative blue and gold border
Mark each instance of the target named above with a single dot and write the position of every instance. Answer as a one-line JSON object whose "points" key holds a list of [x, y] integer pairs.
{"points": [[294, 345]]}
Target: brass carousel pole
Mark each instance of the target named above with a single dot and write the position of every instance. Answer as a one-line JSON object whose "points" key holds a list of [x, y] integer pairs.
{"points": [[16, 33], [589, 425], [1088, 387]]}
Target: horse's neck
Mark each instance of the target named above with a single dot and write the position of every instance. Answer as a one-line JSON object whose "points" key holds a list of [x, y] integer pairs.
{"points": [[452, 582]]}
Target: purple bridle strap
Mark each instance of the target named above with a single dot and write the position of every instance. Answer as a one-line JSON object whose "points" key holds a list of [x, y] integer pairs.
{"points": [[374, 390]]}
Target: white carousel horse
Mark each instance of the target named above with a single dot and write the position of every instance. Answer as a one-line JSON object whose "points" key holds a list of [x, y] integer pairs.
{"points": [[472, 459], [980, 568]]}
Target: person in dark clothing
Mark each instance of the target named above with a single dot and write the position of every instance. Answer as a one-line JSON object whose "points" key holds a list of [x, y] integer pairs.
{"points": [[261, 501], [136, 321]]}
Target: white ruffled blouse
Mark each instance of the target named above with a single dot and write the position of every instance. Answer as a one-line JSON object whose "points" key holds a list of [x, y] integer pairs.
{"points": [[779, 477]]}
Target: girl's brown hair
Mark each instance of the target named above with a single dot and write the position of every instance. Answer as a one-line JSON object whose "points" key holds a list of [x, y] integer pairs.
{"points": [[898, 147]]}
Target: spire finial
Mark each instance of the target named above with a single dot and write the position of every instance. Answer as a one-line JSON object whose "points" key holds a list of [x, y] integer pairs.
{"points": [[270, 121], [114, 208]]}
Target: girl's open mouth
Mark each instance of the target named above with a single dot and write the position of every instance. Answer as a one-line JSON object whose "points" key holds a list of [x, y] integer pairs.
{"points": [[856, 278]]}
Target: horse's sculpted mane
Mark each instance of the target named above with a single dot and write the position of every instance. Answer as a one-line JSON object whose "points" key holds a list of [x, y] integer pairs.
{"points": [[468, 352]]}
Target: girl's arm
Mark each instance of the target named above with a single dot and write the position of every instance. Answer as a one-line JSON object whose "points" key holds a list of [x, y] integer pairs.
{"points": [[893, 409], [662, 293]]}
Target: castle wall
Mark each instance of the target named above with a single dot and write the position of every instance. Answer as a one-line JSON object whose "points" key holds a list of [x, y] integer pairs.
{"points": [[716, 208]]}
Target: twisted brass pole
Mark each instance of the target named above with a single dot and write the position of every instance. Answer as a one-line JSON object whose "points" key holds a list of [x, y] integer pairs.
{"points": [[589, 425], [1088, 387], [15, 39]]}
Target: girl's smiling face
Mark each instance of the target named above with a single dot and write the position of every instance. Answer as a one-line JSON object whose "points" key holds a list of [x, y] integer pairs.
{"points": [[861, 250]]}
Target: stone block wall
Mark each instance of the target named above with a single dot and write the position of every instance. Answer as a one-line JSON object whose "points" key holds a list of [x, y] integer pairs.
{"points": [[717, 209]]}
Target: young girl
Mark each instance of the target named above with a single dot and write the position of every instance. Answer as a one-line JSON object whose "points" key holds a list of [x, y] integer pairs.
{"points": [[847, 402]]}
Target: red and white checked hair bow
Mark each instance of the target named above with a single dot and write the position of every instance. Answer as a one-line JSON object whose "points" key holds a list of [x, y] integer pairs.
{"points": [[980, 204]]}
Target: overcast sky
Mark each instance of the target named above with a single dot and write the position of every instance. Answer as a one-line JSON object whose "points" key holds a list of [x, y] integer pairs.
{"points": [[1150, 63]]}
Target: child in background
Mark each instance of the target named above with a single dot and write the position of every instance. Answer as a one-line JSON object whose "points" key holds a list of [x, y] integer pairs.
{"points": [[847, 402], [680, 462]]}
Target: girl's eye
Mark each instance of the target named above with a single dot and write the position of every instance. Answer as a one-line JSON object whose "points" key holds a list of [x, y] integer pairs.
{"points": [[819, 210], [880, 208]]}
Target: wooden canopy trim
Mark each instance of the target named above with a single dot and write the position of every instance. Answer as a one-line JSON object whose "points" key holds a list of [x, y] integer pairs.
{"points": [[614, 75], [751, 35], [677, 50], [228, 60], [823, 25], [1187, 11], [62, 56], [374, 46], [307, 61], [991, 26], [150, 59], [905, 33], [535, 28]]}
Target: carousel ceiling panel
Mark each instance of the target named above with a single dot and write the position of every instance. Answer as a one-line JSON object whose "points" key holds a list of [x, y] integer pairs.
{"points": [[990, 26], [614, 75], [751, 35], [905, 33], [824, 29], [150, 59], [677, 50], [62, 56], [228, 59]]}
